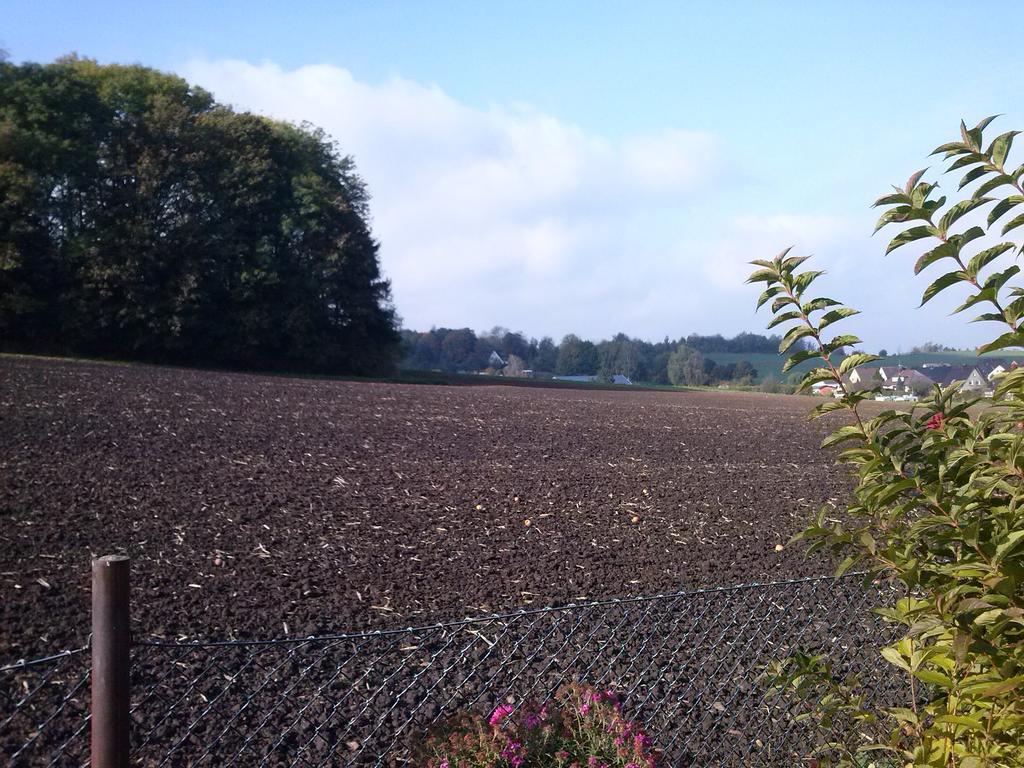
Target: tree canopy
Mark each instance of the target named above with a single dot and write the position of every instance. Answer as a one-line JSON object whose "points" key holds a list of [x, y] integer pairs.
{"points": [[461, 349], [141, 219]]}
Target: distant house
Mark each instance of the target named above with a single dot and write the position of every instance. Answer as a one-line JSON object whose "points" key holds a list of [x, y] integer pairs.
{"points": [[990, 369], [495, 361], [618, 378], [857, 376], [823, 388], [903, 381], [861, 378], [944, 375]]}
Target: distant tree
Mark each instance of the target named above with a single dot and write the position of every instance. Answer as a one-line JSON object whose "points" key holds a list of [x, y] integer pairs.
{"points": [[930, 348], [459, 351], [546, 358], [770, 384], [576, 356], [745, 373], [514, 366], [515, 344], [686, 367], [422, 350], [883, 353], [620, 355]]}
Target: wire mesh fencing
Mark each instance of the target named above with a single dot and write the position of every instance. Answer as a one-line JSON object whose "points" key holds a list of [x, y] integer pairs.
{"points": [[686, 665], [44, 710]]}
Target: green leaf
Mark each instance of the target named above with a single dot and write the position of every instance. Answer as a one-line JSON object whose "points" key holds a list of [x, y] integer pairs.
{"points": [[836, 315], [814, 376], [1013, 223], [784, 317], [1001, 208], [1004, 687], [934, 678], [973, 136], [896, 215], [977, 298], [856, 360], [1011, 339], [845, 566], [1010, 544], [944, 282], [798, 357], [843, 340], [842, 435], [827, 407], [994, 183], [950, 148], [768, 294], [959, 210], [971, 723], [803, 281], [909, 236], [949, 249], [763, 276], [997, 280], [912, 181], [1009, 381], [894, 657], [971, 158], [822, 303], [986, 257], [794, 335], [899, 198], [973, 175], [1000, 147]]}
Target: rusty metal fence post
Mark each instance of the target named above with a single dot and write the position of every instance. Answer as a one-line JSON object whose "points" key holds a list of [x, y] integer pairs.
{"points": [[111, 662]]}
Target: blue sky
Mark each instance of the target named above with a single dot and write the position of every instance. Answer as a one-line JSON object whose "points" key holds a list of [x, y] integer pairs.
{"points": [[595, 167]]}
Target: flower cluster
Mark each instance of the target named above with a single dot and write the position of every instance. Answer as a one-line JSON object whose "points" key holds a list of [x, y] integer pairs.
{"points": [[581, 727]]}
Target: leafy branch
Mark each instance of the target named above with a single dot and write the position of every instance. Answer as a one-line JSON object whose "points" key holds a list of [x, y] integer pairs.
{"points": [[937, 506]]}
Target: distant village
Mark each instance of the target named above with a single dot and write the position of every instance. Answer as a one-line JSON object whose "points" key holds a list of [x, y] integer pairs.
{"points": [[898, 382]]}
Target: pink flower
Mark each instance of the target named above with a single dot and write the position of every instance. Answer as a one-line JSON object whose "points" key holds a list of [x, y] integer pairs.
{"points": [[512, 750], [444, 764], [936, 422], [501, 713], [585, 708], [531, 721], [592, 761]]}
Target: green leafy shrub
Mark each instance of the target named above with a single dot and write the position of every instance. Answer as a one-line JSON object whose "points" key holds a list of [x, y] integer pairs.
{"points": [[938, 504], [579, 728]]}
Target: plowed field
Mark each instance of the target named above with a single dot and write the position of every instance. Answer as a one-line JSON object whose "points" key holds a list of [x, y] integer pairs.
{"points": [[261, 506]]}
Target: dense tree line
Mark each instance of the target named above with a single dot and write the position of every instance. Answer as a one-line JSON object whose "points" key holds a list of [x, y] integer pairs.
{"points": [[742, 342], [664, 362], [141, 219]]}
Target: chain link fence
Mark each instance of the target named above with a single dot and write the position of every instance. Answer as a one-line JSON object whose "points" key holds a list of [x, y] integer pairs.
{"points": [[686, 665]]}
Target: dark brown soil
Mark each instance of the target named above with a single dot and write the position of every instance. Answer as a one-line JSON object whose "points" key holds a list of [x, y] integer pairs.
{"points": [[259, 506]]}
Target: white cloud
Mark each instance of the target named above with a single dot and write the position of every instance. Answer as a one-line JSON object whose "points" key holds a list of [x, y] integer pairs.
{"points": [[504, 215], [510, 216]]}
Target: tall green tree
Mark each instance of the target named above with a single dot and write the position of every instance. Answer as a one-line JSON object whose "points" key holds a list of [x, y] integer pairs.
{"points": [[140, 219], [576, 356], [686, 367]]}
